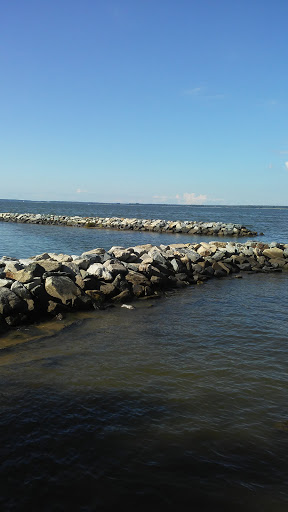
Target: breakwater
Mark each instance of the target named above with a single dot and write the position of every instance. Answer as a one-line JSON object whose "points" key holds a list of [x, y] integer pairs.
{"points": [[158, 225], [50, 284]]}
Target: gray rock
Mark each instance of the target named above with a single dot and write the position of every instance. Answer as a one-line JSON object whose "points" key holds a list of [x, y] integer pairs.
{"points": [[60, 257], [98, 270], [41, 257], [120, 253], [10, 303], [122, 296], [137, 278], [23, 293], [176, 265], [6, 282], [36, 281], [62, 288], [108, 289], [115, 267], [157, 256], [49, 265]]}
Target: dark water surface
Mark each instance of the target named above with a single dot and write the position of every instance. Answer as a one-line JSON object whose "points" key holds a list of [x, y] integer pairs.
{"points": [[178, 404]]}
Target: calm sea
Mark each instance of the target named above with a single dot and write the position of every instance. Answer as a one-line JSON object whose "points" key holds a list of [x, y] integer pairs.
{"points": [[178, 404]]}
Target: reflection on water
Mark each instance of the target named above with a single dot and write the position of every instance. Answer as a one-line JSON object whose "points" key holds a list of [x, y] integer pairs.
{"points": [[178, 403]]}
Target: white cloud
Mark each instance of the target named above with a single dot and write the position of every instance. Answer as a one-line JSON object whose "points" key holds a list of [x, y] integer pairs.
{"points": [[194, 92], [191, 198], [80, 191], [202, 92], [286, 165]]}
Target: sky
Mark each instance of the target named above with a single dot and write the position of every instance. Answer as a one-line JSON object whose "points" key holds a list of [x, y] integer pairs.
{"points": [[149, 101]]}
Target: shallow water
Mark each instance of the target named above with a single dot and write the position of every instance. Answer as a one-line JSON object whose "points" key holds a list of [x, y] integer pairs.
{"points": [[180, 403]]}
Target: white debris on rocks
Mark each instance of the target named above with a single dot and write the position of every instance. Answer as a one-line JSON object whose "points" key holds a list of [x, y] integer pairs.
{"points": [[159, 225], [50, 284]]}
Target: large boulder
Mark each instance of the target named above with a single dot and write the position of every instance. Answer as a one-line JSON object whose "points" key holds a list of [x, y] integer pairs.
{"points": [[10, 303], [115, 267], [98, 270], [49, 265], [62, 288], [23, 293], [120, 253], [135, 278], [27, 274], [273, 253]]}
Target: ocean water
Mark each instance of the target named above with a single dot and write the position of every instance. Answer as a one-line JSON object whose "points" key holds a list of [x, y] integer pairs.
{"points": [[179, 403], [34, 239]]}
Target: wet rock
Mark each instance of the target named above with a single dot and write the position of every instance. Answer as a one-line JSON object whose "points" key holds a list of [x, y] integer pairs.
{"points": [[122, 296], [96, 296], [108, 289], [16, 319], [56, 308]]}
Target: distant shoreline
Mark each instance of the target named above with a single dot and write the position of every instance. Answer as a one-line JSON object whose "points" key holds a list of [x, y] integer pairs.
{"points": [[48, 201]]}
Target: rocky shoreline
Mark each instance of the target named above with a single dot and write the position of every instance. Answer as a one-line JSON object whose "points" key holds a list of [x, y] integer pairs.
{"points": [[51, 284], [165, 226]]}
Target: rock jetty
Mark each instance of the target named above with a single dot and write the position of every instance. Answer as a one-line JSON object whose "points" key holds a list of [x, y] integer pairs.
{"points": [[50, 284], [165, 226]]}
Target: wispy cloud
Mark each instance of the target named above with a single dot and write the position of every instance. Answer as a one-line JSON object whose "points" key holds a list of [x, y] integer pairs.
{"points": [[203, 93], [191, 198], [286, 165], [272, 102], [81, 191], [194, 92]]}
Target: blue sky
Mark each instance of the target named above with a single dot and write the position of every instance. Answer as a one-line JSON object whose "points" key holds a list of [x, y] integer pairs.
{"points": [[144, 101]]}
